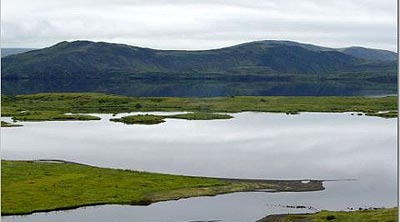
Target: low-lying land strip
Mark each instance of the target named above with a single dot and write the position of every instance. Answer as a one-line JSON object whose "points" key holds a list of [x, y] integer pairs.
{"points": [[200, 116], [389, 114], [52, 106], [140, 119], [51, 116], [156, 119], [39, 186], [367, 215], [7, 124]]}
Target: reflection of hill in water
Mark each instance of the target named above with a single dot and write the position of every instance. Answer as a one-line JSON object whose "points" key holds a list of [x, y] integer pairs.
{"points": [[204, 88]]}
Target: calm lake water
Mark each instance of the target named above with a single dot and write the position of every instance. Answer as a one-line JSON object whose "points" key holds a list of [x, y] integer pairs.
{"points": [[252, 145], [206, 88]]}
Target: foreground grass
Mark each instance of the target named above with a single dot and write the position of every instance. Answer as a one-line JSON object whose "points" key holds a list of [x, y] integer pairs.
{"points": [[6, 124], [31, 186], [377, 215], [52, 106]]}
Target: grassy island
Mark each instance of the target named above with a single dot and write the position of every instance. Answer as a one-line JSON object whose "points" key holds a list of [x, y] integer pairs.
{"points": [[140, 119], [364, 215], [40, 186], [156, 119], [53, 106], [200, 116]]}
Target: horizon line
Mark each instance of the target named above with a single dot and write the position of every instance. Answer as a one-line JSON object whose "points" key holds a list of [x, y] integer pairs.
{"points": [[205, 49]]}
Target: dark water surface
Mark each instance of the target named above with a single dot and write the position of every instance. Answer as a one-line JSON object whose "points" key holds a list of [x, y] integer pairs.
{"points": [[205, 88]]}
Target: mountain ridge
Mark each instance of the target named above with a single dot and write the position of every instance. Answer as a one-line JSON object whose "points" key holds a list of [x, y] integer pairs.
{"points": [[13, 51], [104, 60]]}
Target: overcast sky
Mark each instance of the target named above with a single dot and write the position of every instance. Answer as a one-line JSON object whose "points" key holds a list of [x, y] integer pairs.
{"points": [[199, 24]]}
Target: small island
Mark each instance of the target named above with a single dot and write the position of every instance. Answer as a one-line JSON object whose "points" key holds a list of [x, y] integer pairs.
{"points": [[200, 116], [140, 119], [149, 119]]}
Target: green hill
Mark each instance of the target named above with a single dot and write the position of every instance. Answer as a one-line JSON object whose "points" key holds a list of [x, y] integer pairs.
{"points": [[105, 60], [255, 68]]}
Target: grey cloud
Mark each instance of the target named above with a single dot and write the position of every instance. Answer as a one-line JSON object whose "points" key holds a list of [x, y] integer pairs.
{"points": [[199, 24]]}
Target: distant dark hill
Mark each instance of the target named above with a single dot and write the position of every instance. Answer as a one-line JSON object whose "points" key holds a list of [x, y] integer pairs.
{"points": [[12, 51], [355, 51], [370, 54], [99, 60], [255, 68]]}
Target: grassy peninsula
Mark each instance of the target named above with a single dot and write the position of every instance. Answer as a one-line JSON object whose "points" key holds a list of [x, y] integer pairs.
{"points": [[53, 106], [368, 215], [36, 186]]}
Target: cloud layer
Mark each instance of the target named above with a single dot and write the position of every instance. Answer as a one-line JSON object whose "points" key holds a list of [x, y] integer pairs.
{"points": [[199, 24]]}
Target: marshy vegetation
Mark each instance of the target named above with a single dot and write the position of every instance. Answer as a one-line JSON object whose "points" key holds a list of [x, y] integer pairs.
{"points": [[53, 106], [51, 116], [156, 119], [200, 116], [140, 119], [388, 114]]}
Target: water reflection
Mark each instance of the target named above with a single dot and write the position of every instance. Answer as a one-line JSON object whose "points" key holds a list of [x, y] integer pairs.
{"points": [[252, 145], [203, 88]]}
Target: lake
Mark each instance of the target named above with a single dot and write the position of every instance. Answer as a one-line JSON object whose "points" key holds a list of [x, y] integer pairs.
{"points": [[251, 145]]}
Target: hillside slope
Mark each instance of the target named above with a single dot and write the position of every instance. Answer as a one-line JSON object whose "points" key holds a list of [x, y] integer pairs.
{"points": [[100, 60], [370, 54]]}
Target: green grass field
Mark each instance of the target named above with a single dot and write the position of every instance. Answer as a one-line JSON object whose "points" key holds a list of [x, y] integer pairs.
{"points": [[376, 215], [52, 106], [31, 186]]}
